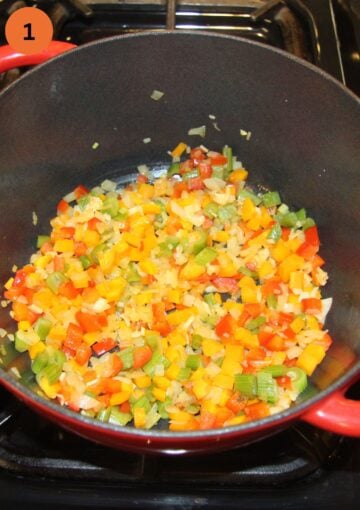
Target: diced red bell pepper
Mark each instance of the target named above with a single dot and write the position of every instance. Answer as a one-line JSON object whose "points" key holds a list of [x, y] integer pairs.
{"points": [[23, 313], [311, 305], [93, 223], [205, 170], [194, 184], [160, 323], [80, 248], [80, 191], [67, 232], [83, 353], [90, 322], [68, 290], [253, 309], [284, 381], [141, 356], [207, 420], [62, 206], [218, 159], [307, 250], [271, 286], [224, 284], [142, 179], [225, 328], [276, 343], [59, 263], [104, 346], [312, 236], [236, 403], [125, 407], [285, 233], [257, 411], [117, 364], [178, 188], [265, 336], [197, 155]]}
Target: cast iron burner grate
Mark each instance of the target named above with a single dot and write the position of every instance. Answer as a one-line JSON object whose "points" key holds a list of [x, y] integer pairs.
{"points": [[31, 446]]}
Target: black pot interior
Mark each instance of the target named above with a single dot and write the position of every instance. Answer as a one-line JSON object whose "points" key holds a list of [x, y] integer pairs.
{"points": [[304, 142]]}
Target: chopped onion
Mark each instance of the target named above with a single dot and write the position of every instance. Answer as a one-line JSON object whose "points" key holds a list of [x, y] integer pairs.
{"points": [[70, 197], [143, 170], [108, 185], [156, 95], [95, 145], [147, 140], [212, 117], [214, 183], [326, 305], [216, 126], [197, 131], [34, 218]]}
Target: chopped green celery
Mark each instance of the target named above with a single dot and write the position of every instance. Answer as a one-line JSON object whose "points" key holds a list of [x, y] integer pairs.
{"points": [[162, 408], [271, 199], [228, 153], [57, 357], [90, 393], [104, 415], [309, 222], [142, 402], [288, 220], [246, 384], [192, 174], [301, 215], [198, 240], [157, 359], [41, 240], [227, 212], [271, 301], [40, 361], [283, 209], [193, 361], [247, 272], [132, 275], [110, 206], [83, 202], [121, 215], [168, 245], [255, 323], [219, 361], [211, 320], [245, 193], [160, 203], [20, 343], [119, 418], [85, 261], [153, 341], [211, 210], [184, 374], [42, 327], [126, 356], [152, 417], [276, 370], [51, 372], [210, 298], [206, 256], [196, 341], [54, 280], [298, 378], [173, 169], [275, 232], [267, 389], [218, 172], [94, 255]]}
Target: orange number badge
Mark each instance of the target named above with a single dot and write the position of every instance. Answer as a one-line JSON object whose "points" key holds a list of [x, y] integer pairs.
{"points": [[29, 30]]}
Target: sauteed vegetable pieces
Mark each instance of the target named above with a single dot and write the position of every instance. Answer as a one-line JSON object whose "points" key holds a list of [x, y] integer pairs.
{"points": [[190, 297]]}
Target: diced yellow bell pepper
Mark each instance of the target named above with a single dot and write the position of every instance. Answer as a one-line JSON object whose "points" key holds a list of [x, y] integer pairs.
{"points": [[255, 222], [221, 236], [175, 352], [249, 295], [280, 251], [191, 270], [142, 381], [224, 381], [119, 398], [173, 371], [312, 322], [179, 149], [211, 347], [238, 175], [177, 338], [44, 260], [246, 338], [227, 267], [296, 280], [209, 406], [112, 290], [91, 338], [144, 298], [200, 388], [161, 381], [24, 325], [235, 352], [9, 283], [311, 357], [35, 349], [297, 324], [266, 269], [146, 190], [180, 316], [107, 260], [199, 373], [50, 390], [91, 238], [80, 280], [139, 417], [248, 209], [159, 394], [133, 238], [149, 267], [175, 296], [237, 420], [291, 263]]}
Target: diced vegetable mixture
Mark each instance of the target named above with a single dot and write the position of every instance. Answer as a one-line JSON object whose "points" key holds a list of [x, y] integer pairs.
{"points": [[190, 298]]}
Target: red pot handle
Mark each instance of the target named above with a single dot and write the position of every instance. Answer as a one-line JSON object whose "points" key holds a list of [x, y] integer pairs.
{"points": [[336, 414], [10, 58]]}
